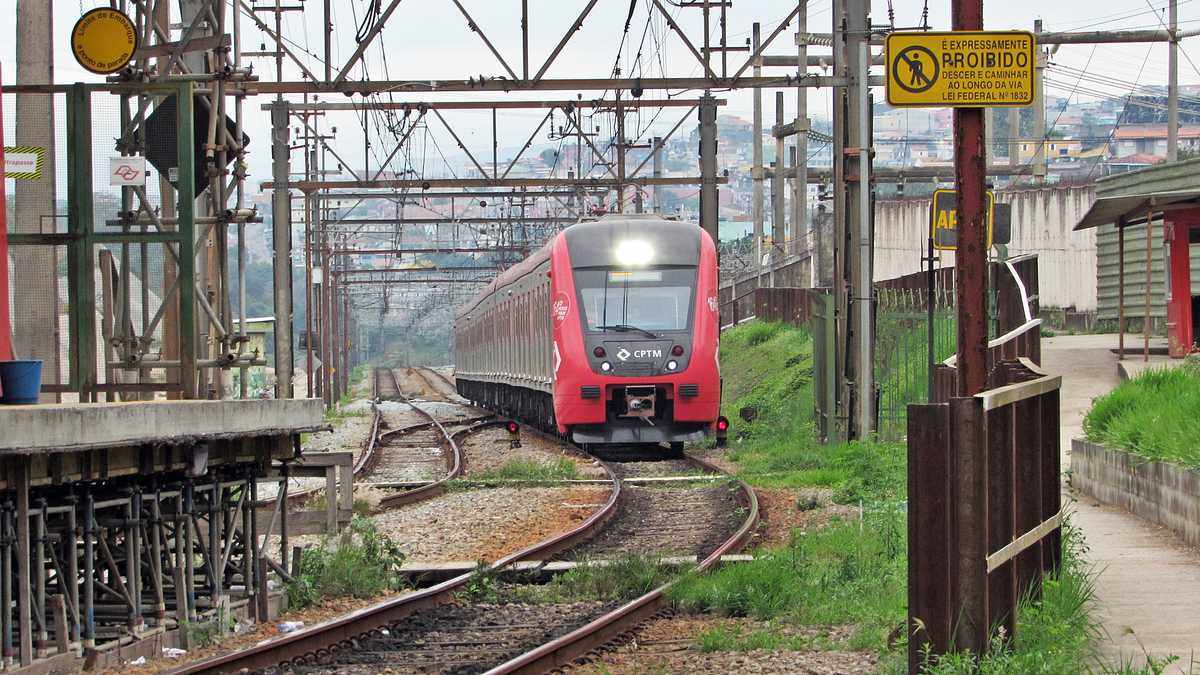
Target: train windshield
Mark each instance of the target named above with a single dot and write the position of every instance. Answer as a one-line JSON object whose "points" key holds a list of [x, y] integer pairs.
{"points": [[636, 300]]}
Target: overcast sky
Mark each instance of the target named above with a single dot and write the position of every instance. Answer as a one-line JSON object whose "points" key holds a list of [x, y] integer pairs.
{"points": [[427, 39]]}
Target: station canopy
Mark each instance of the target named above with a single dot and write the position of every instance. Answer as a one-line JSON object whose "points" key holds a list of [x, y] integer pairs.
{"points": [[1132, 209]]}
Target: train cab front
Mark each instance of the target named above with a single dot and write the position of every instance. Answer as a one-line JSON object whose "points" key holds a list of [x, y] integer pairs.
{"points": [[644, 369]]}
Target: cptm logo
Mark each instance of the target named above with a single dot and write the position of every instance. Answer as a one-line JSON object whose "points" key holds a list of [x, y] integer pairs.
{"points": [[126, 172], [561, 308], [624, 354]]}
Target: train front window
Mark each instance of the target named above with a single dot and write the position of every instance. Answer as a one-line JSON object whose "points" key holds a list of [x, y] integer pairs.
{"points": [[636, 300]]}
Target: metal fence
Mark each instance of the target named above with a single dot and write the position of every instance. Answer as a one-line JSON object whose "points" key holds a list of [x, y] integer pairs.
{"points": [[902, 366], [902, 331]]}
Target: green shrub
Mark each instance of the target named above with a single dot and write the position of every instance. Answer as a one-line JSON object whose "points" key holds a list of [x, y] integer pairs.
{"points": [[1152, 416], [361, 565]]}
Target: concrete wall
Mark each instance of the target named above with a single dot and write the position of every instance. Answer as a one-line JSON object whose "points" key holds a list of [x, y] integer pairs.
{"points": [[1161, 493], [1042, 223]]}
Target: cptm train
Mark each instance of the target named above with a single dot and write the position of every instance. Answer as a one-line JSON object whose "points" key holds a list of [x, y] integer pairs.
{"points": [[607, 335]]}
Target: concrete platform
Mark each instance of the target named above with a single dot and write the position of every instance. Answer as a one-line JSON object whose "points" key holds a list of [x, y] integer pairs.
{"points": [[74, 427], [99, 441], [1131, 367]]}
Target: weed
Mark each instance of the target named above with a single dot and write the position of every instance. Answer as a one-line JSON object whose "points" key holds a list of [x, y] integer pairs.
{"points": [[623, 578], [560, 468], [484, 585], [361, 565]]}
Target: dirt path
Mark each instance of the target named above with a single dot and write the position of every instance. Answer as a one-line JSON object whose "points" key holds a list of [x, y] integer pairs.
{"points": [[1148, 585]]}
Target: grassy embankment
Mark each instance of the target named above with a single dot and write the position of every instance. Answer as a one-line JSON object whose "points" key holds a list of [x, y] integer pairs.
{"points": [[850, 573], [1153, 416]]}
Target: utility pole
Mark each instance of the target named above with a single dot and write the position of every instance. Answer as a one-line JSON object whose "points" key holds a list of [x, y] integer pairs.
{"points": [[281, 228], [778, 187], [1173, 83], [1014, 137], [800, 182], [756, 172], [970, 276], [970, 269], [657, 149], [708, 165], [858, 208], [1039, 112]]}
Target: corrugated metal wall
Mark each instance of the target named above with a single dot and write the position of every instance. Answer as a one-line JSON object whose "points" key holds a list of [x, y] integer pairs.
{"points": [[1161, 178]]}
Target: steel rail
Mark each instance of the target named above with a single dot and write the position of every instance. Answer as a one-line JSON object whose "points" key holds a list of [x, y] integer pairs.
{"points": [[602, 630], [340, 632]]}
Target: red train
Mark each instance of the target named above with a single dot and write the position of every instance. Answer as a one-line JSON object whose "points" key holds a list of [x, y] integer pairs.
{"points": [[608, 333]]}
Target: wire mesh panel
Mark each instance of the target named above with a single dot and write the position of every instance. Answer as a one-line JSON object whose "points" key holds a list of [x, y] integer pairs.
{"points": [[35, 134], [902, 350]]}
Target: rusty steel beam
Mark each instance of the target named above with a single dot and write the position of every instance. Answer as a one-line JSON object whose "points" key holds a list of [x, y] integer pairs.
{"points": [[418, 85], [401, 270], [396, 196], [501, 105], [429, 183], [444, 249], [448, 221]]}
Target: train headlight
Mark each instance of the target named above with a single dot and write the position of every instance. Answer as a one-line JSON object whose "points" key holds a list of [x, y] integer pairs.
{"points": [[672, 365], [606, 366], [634, 253]]}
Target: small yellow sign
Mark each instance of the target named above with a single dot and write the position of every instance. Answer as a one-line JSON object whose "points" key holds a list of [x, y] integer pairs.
{"points": [[961, 69], [103, 41], [943, 216]]}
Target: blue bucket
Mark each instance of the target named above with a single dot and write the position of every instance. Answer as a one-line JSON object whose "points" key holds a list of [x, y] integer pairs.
{"points": [[20, 381]]}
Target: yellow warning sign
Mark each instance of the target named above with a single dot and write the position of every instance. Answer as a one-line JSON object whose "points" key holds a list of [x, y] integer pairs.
{"points": [[961, 69], [943, 215], [103, 41]]}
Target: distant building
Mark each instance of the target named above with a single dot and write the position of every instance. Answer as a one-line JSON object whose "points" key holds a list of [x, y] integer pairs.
{"points": [[1151, 139]]}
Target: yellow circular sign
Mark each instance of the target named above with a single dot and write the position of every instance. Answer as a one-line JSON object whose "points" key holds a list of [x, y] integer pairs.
{"points": [[103, 41]]}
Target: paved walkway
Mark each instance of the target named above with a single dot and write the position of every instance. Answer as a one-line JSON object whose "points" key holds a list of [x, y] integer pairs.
{"points": [[1148, 586]]}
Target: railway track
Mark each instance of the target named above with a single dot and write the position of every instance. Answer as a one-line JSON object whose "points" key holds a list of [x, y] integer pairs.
{"points": [[439, 630], [425, 452], [418, 451]]}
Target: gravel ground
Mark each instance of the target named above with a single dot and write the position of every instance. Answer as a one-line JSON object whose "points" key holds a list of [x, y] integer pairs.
{"points": [[456, 638], [248, 635], [489, 449], [669, 645], [667, 521], [487, 524], [658, 468]]}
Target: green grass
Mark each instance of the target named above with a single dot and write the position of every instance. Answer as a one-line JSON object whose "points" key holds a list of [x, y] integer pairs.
{"points": [[1152, 416], [624, 578], [362, 565], [559, 468], [852, 572], [842, 574]]}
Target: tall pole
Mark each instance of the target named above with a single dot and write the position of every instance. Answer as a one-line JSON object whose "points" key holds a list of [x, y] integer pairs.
{"points": [[621, 154], [970, 269], [839, 280], [281, 228], [1039, 113], [756, 172], [1014, 137], [1173, 84], [778, 201], [657, 149], [858, 206], [800, 183], [708, 165]]}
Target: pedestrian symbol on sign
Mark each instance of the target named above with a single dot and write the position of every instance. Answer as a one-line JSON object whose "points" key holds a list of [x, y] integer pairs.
{"points": [[915, 69]]}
